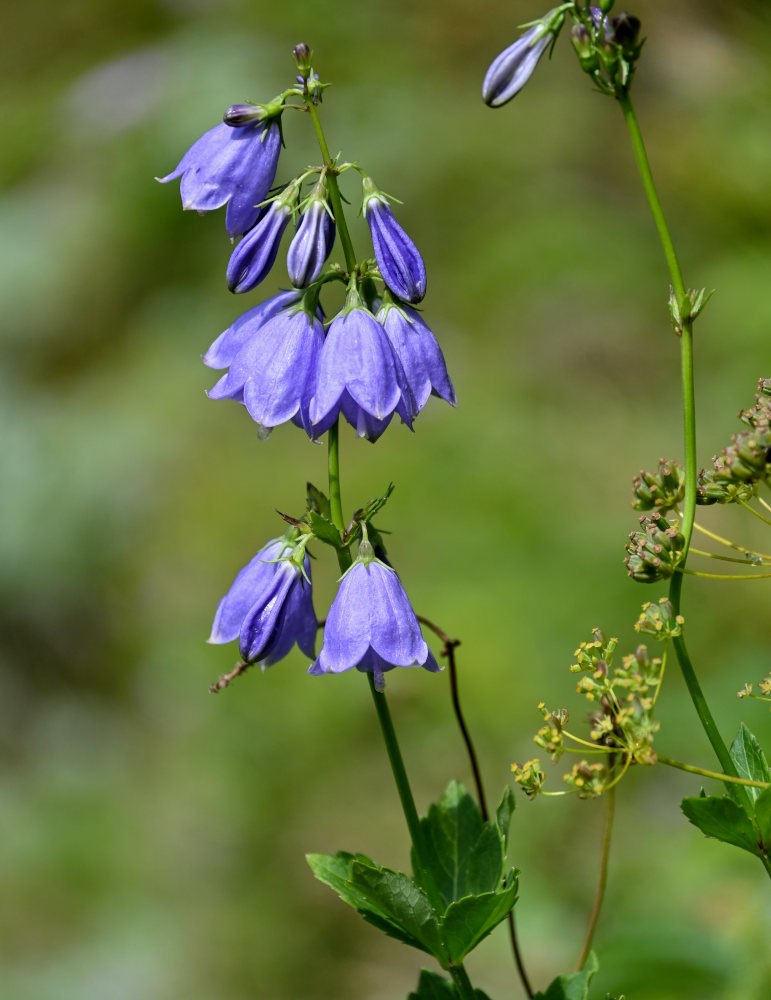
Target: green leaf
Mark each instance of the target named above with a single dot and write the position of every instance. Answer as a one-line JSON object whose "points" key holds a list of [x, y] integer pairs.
{"points": [[403, 904], [573, 987], [465, 853], [318, 502], [504, 813], [720, 817], [749, 759], [323, 529], [469, 920], [335, 871], [763, 817], [432, 986]]}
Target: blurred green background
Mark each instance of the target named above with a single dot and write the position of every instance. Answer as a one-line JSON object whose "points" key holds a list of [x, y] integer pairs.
{"points": [[152, 836]]}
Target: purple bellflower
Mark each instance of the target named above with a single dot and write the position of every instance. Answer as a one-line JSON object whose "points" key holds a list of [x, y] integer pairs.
{"points": [[255, 255], [420, 355], [398, 259], [371, 625], [274, 372], [270, 605], [312, 243], [230, 341], [358, 375], [510, 71], [230, 166]]}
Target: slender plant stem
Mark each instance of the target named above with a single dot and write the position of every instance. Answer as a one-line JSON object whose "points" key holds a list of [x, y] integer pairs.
{"points": [[602, 880], [763, 503], [462, 983], [726, 576], [731, 559], [731, 545], [423, 873], [334, 191], [757, 513], [710, 774], [448, 652], [689, 428]]}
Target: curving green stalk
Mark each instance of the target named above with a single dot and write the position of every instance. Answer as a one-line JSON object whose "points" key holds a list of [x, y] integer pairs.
{"points": [[689, 427]]}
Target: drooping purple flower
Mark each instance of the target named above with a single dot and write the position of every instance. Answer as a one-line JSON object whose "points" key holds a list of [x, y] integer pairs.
{"points": [[233, 166], [358, 371], [274, 372], [398, 259], [269, 607], [419, 353], [312, 243], [231, 341], [255, 255], [371, 625]]}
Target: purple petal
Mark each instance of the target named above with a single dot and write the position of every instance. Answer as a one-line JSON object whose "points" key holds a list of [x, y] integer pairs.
{"points": [[261, 626], [231, 341], [394, 629], [311, 245], [419, 353], [255, 255], [252, 581], [510, 71]]}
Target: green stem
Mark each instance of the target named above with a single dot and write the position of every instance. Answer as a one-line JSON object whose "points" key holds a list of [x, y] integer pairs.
{"points": [[757, 513], [462, 983], [334, 191], [710, 774], [731, 545], [731, 559], [423, 870], [602, 881], [689, 427]]}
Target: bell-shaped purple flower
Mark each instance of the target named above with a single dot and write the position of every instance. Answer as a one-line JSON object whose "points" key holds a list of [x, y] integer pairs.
{"points": [[398, 259], [312, 243], [274, 372], [269, 606], [510, 71], [371, 624], [232, 166], [231, 341], [358, 371], [419, 353], [255, 255]]}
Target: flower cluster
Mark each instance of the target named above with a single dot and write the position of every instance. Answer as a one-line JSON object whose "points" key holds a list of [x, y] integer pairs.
{"points": [[655, 550], [283, 361], [622, 726], [376, 357]]}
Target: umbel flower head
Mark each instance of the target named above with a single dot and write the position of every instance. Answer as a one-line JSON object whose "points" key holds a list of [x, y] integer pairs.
{"points": [[233, 166], [270, 606], [510, 71], [371, 625], [398, 259]]}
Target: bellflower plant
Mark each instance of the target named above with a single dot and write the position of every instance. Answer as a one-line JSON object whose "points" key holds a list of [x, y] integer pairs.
{"points": [[233, 166], [376, 358], [371, 625]]}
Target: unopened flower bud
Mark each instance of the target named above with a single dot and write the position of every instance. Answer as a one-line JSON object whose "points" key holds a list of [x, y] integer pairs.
{"points": [[303, 55], [238, 115], [510, 71], [661, 490], [312, 243], [655, 550], [398, 259], [626, 29]]}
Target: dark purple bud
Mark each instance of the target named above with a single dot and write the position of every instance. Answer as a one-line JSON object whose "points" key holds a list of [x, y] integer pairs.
{"points": [[398, 259], [626, 29], [238, 115], [312, 242], [303, 56]]}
